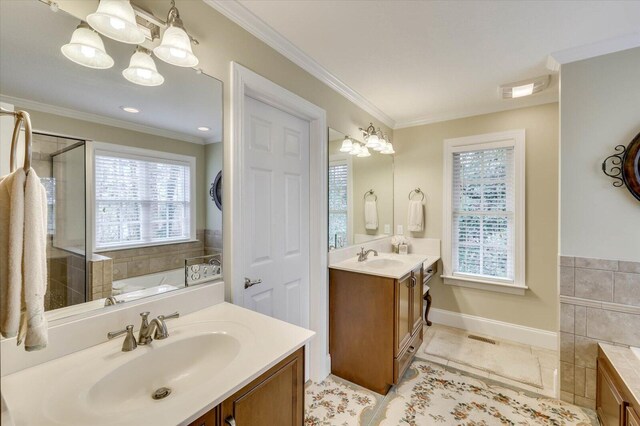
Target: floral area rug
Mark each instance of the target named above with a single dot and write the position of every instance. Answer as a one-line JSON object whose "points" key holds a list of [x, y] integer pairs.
{"points": [[333, 402], [433, 395]]}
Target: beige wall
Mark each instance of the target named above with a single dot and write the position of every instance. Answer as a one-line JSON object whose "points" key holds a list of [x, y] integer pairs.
{"points": [[600, 108], [418, 163], [65, 126]]}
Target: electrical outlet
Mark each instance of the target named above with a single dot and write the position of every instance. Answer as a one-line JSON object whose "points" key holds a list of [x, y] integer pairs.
{"points": [[387, 229], [400, 230]]}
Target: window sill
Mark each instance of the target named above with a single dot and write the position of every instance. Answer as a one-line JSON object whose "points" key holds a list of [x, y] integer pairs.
{"points": [[485, 285]]}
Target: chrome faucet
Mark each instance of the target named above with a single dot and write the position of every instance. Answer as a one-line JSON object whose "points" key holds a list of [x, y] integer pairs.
{"points": [[156, 328], [111, 301], [129, 343], [362, 255]]}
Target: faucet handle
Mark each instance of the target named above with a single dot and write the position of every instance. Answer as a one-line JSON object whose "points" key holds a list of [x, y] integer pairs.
{"points": [[170, 316], [145, 315], [129, 343]]}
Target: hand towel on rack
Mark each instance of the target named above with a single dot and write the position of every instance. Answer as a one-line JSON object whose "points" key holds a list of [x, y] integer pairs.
{"points": [[11, 246], [33, 325], [371, 215], [415, 216]]}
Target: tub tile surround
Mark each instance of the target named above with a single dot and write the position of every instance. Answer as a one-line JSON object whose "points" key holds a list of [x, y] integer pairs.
{"points": [[599, 303]]}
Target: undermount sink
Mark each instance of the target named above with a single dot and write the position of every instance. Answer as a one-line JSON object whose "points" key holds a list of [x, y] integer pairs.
{"points": [[177, 366], [383, 263]]}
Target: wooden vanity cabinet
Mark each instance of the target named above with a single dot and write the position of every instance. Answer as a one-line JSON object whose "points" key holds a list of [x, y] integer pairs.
{"points": [[375, 326], [274, 398], [615, 404]]}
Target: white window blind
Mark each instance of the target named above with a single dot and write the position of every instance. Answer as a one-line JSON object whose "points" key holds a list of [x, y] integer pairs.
{"points": [[483, 207], [338, 203], [141, 200]]}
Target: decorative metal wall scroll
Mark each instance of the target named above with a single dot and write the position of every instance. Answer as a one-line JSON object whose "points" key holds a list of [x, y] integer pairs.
{"points": [[216, 190], [624, 166]]}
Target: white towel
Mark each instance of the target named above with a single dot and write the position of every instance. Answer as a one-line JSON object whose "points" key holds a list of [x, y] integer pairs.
{"points": [[11, 246], [371, 215], [33, 325], [415, 217]]}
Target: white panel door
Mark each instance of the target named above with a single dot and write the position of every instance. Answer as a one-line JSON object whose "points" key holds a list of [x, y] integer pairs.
{"points": [[275, 212]]}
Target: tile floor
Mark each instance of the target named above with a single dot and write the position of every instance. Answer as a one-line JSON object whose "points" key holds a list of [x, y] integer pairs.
{"points": [[439, 391]]}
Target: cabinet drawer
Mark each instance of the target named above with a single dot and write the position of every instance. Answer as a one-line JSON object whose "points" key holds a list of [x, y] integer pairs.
{"points": [[402, 361]]}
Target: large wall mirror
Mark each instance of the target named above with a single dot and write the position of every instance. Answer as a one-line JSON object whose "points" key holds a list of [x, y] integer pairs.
{"points": [[360, 194], [127, 167]]}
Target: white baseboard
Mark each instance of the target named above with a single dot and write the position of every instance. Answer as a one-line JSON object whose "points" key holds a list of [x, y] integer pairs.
{"points": [[502, 330]]}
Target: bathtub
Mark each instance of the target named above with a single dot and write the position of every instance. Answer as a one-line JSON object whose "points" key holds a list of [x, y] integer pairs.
{"points": [[147, 285]]}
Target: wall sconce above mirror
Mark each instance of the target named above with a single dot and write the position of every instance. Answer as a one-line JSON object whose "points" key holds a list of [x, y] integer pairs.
{"points": [[360, 191]]}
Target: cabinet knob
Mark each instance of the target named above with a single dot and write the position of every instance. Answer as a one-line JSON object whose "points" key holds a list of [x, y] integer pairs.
{"points": [[230, 421]]}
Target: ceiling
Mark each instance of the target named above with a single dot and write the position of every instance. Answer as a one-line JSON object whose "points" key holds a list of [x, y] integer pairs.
{"points": [[32, 68], [426, 61]]}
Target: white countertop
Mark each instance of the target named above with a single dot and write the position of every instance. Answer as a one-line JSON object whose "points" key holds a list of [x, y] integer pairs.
{"points": [[59, 392], [398, 265], [626, 362]]}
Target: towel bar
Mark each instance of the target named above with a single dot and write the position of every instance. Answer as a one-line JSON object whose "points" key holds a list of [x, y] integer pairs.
{"points": [[416, 191]]}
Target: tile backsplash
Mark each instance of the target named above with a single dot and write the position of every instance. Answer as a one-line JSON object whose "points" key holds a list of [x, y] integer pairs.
{"points": [[599, 302]]}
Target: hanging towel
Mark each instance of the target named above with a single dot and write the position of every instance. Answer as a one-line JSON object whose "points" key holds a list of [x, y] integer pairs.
{"points": [[11, 247], [371, 215], [33, 324], [415, 217]]}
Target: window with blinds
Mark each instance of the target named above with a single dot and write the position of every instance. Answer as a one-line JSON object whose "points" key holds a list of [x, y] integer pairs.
{"points": [[483, 213], [338, 203], [141, 200]]}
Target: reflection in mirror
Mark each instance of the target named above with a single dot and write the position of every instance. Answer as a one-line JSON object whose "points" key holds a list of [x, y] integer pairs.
{"points": [[360, 194], [127, 168]]}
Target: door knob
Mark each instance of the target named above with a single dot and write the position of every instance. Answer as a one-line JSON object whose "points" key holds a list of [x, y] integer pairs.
{"points": [[250, 283]]}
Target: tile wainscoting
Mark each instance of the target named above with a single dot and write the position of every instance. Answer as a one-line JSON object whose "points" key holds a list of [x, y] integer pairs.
{"points": [[599, 302]]}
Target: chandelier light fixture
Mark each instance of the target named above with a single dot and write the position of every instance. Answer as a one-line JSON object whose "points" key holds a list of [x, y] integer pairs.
{"points": [[87, 49], [347, 145]]}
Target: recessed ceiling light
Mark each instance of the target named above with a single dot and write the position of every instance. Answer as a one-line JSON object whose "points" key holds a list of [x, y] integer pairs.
{"points": [[204, 128], [519, 89], [132, 110]]}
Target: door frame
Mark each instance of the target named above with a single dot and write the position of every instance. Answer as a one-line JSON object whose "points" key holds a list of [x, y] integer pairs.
{"points": [[245, 82]]}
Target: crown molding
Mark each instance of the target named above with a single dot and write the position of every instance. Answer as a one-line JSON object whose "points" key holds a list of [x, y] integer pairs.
{"points": [[540, 99], [260, 29], [99, 119], [587, 51]]}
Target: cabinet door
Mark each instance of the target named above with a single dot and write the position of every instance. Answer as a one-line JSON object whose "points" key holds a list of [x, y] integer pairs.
{"points": [[404, 322], [276, 399], [633, 419], [416, 300], [208, 419], [610, 405]]}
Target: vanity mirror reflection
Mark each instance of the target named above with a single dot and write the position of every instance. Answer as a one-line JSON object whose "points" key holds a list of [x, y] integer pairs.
{"points": [[127, 166], [360, 193]]}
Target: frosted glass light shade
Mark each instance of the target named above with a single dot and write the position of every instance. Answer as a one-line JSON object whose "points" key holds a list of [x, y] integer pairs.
{"points": [[372, 141], [347, 145], [355, 149], [388, 149], [175, 48], [117, 20], [364, 152], [87, 49], [142, 70]]}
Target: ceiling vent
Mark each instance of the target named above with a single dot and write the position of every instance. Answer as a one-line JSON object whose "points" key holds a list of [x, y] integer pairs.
{"points": [[522, 88]]}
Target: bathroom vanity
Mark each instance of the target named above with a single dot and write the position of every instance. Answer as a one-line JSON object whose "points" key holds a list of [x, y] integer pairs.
{"points": [[375, 318], [618, 386], [223, 365]]}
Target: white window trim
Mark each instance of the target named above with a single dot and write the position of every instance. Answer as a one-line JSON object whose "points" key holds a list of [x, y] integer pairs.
{"points": [[98, 147], [512, 138], [346, 158]]}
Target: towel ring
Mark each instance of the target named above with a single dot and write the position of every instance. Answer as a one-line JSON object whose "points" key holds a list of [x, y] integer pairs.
{"points": [[370, 192], [416, 192], [20, 117]]}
